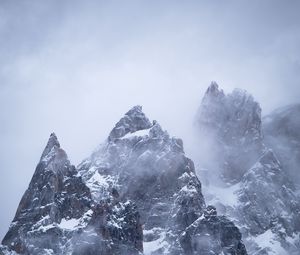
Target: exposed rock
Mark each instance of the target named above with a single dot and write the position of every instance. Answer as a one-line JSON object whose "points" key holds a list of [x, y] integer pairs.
{"points": [[149, 167], [133, 121], [267, 202], [57, 208], [212, 234], [232, 124], [257, 193], [137, 186]]}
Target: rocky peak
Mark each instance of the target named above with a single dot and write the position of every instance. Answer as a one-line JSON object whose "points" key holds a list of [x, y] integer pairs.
{"points": [[214, 91], [134, 120], [232, 123], [57, 215], [53, 156], [148, 166], [52, 144]]}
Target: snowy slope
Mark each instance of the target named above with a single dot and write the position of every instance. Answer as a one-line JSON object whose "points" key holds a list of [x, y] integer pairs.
{"points": [[254, 189]]}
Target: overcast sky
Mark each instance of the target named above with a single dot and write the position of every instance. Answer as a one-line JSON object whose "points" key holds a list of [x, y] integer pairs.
{"points": [[75, 67]]}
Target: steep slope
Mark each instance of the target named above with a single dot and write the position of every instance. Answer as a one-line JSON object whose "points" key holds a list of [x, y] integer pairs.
{"points": [[254, 190], [267, 204], [142, 162], [56, 214], [232, 126], [138, 178], [281, 130]]}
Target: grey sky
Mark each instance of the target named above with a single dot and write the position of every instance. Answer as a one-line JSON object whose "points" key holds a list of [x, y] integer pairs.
{"points": [[74, 67]]}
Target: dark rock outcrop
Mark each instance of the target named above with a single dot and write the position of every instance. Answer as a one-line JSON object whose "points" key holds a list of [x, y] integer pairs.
{"points": [[137, 192], [212, 234], [149, 167], [57, 207]]}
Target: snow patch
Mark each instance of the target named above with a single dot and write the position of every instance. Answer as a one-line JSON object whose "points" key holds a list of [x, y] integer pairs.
{"points": [[155, 245], [268, 242], [227, 195], [70, 224], [138, 133]]}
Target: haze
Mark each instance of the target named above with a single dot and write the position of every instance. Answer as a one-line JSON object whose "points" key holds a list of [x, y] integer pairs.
{"points": [[75, 67]]}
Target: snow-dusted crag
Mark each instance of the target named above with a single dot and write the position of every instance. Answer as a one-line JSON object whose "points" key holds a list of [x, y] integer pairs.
{"points": [[232, 125], [142, 162], [255, 190], [268, 209], [137, 193], [281, 130], [58, 216]]}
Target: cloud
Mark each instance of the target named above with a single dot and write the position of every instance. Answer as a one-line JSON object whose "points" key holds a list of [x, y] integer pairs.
{"points": [[76, 67]]}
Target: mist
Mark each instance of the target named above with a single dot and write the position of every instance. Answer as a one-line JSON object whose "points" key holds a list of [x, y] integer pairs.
{"points": [[74, 68]]}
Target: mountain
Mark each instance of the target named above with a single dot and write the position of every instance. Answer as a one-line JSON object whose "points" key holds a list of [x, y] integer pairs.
{"points": [[136, 193], [144, 163], [57, 215], [254, 189], [268, 205], [281, 130], [232, 126]]}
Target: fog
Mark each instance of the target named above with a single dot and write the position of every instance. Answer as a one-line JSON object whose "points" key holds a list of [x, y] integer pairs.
{"points": [[75, 67]]}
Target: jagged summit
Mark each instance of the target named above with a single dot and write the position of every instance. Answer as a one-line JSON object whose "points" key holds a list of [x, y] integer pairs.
{"points": [[137, 192], [263, 201], [52, 143], [149, 167], [232, 122], [213, 89], [54, 158], [134, 120]]}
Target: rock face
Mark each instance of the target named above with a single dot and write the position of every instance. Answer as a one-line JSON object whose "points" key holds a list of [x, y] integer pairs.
{"points": [[262, 185], [137, 186], [281, 130], [267, 203], [57, 210], [143, 163], [211, 232], [261, 199], [232, 123]]}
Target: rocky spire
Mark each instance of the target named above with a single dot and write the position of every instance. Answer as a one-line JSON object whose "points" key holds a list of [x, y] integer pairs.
{"points": [[52, 143], [152, 171], [132, 121], [213, 89], [232, 122]]}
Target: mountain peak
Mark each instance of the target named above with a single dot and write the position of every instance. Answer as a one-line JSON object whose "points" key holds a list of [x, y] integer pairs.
{"points": [[133, 120], [213, 89], [52, 143]]}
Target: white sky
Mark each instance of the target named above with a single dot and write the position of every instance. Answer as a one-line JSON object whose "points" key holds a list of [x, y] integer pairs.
{"points": [[76, 67]]}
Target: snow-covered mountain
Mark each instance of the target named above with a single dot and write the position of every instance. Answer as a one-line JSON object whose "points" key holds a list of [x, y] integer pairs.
{"points": [[58, 216], [253, 187], [231, 124], [281, 130], [137, 193]]}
